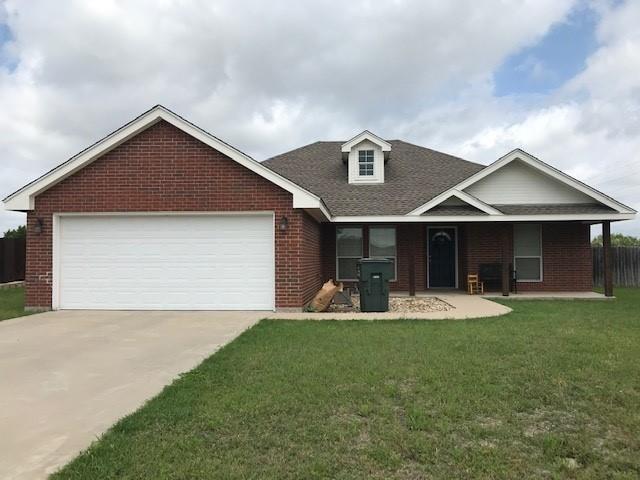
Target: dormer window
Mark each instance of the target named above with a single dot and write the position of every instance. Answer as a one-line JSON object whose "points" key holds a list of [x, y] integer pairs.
{"points": [[365, 163], [366, 155]]}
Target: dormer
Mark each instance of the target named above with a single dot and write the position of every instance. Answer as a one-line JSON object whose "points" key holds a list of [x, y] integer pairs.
{"points": [[366, 155]]}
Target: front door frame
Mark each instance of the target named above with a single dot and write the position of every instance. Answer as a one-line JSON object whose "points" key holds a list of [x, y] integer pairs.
{"points": [[455, 229]]}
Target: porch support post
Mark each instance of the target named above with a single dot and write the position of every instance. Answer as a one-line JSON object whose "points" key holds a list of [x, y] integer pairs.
{"points": [[606, 250], [505, 261], [412, 259]]}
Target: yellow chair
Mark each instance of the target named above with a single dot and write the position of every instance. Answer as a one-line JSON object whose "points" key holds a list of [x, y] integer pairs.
{"points": [[474, 285]]}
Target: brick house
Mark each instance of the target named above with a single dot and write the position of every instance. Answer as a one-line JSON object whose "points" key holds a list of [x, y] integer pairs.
{"points": [[162, 215]]}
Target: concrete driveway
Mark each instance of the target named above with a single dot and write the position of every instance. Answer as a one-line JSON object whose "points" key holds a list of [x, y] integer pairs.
{"points": [[67, 376]]}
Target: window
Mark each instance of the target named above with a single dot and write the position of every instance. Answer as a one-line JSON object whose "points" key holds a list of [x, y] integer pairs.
{"points": [[527, 252], [348, 252], [365, 163], [382, 244]]}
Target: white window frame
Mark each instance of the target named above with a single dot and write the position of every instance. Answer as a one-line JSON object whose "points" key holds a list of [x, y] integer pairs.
{"points": [[540, 257], [338, 257], [394, 257], [369, 160]]}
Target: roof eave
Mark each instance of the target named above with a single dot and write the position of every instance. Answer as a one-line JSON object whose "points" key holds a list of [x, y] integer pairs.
{"points": [[593, 217], [366, 135], [24, 198]]}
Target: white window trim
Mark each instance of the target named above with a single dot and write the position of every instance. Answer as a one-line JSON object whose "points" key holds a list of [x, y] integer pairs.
{"points": [[367, 162], [395, 257], [354, 164], [338, 257], [541, 276]]}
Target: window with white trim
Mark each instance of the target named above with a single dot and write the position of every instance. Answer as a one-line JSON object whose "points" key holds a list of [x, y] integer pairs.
{"points": [[365, 163], [382, 244], [348, 252], [527, 252]]}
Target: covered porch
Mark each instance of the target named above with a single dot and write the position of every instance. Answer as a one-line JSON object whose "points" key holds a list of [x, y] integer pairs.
{"points": [[512, 258]]}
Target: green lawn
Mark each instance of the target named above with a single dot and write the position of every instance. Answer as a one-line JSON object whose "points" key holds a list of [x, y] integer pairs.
{"points": [[551, 390], [12, 303]]}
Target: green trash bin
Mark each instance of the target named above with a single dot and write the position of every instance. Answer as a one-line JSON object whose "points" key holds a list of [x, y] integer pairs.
{"points": [[373, 282]]}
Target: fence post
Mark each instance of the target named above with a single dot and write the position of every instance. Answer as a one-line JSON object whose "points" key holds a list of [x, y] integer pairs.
{"points": [[606, 250], [3, 262]]}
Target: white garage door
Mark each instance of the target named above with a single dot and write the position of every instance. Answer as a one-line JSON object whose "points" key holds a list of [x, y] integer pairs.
{"points": [[166, 262]]}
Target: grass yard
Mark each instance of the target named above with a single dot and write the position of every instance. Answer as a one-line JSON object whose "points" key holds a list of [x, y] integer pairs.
{"points": [[12, 303], [551, 390]]}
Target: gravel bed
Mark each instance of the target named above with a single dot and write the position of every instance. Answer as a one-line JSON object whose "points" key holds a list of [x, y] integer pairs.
{"points": [[400, 304]]}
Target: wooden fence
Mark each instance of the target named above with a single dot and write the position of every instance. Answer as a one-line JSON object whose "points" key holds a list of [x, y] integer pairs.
{"points": [[625, 262], [12, 259]]}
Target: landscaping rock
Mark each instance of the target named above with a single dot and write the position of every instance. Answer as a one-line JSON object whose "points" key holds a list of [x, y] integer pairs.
{"points": [[401, 305]]}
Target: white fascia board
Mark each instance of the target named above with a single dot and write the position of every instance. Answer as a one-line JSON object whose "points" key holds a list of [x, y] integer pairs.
{"points": [[596, 217], [519, 154], [366, 135], [465, 197], [23, 199]]}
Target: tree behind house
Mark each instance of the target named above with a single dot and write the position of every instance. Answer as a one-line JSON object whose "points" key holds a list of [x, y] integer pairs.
{"points": [[618, 240], [19, 232]]}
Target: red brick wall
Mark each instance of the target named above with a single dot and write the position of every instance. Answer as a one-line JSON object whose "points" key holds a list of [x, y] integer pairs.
{"points": [[567, 261], [164, 169], [483, 243], [310, 258], [566, 254], [405, 234]]}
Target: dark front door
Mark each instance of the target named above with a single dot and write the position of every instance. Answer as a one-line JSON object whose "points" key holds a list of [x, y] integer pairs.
{"points": [[442, 257]]}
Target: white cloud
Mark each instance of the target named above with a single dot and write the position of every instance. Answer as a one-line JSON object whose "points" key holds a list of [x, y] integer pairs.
{"points": [[270, 76], [590, 128]]}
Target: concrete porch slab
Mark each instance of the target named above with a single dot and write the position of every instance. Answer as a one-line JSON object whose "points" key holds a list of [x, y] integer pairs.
{"points": [[464, 306], [550, 296]]}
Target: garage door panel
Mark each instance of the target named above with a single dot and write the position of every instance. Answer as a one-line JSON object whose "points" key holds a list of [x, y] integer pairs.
{"points": [[188, 262]]}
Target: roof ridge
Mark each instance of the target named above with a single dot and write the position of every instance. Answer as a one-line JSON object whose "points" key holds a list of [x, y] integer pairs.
{"points": [[340, 142], [288, 152], [438, 152]]}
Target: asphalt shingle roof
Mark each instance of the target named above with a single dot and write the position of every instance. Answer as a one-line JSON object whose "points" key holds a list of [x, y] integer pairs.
{"points": [[451, 210], [413, 176], [554, 209]]}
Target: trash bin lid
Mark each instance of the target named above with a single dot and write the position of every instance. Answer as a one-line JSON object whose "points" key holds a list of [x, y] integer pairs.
{"points": [[375, 260]]}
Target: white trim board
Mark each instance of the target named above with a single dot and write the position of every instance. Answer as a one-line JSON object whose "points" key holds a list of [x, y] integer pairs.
{"points": [[465, 197], [595, 217], [366, 135], [23, 199]]}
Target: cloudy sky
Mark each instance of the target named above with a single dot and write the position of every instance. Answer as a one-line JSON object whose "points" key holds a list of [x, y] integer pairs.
{"points": [[558, 78]]}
